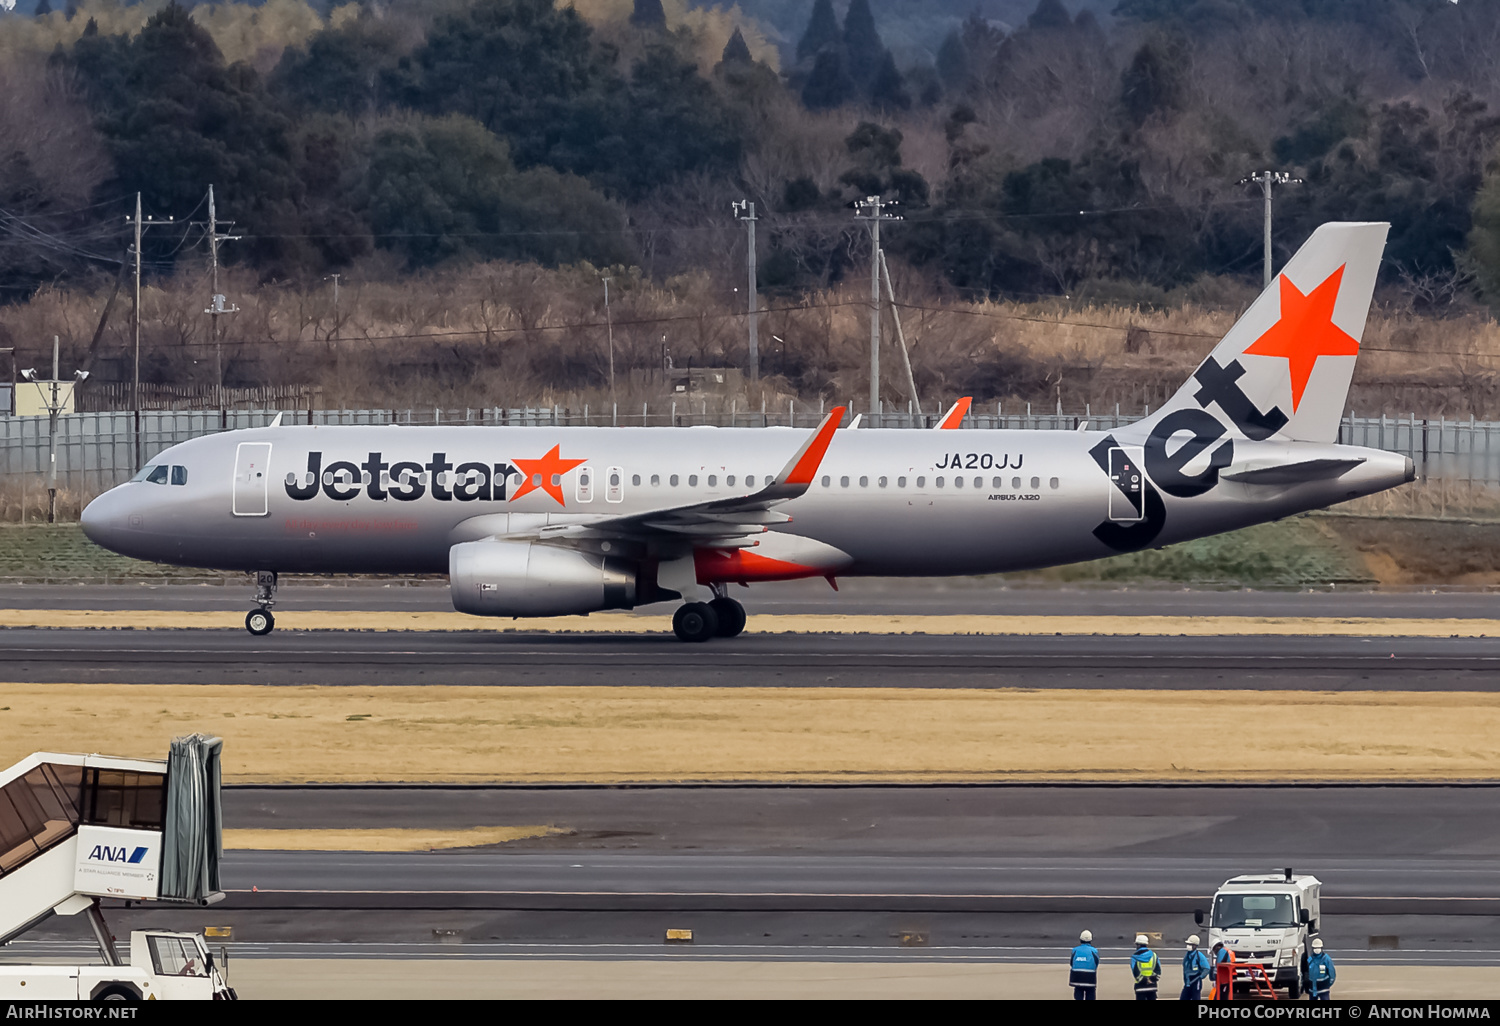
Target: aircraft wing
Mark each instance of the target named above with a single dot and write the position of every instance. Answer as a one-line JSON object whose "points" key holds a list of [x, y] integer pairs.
{"points": [[719, 521]]}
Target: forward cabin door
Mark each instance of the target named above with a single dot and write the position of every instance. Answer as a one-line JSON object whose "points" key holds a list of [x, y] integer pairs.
{"points": [[252, 481], [1126, 485]]}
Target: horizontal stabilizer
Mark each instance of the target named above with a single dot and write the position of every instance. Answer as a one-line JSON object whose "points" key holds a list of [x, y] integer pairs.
{"points": [[1263, 473]]}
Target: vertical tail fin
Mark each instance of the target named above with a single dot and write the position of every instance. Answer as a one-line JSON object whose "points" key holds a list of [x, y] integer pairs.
{"points": [[1285, 367]]}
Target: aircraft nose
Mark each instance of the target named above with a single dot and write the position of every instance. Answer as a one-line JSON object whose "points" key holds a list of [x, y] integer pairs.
{"points": [[106, 519]]}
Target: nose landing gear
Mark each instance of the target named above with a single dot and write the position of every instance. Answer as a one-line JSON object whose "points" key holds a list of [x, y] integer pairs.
{"points": [[260, 622]]}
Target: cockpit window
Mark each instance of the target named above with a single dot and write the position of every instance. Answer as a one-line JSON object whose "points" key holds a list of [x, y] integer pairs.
{"points": [[179, 475], [143, 472], [158, 475]]}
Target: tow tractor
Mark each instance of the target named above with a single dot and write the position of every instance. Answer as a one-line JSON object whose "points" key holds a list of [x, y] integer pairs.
{"points": [[1267, 921], [78, 828]]}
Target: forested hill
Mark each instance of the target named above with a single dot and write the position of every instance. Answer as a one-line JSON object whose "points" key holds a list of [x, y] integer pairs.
{"points": [[1035, 146]]}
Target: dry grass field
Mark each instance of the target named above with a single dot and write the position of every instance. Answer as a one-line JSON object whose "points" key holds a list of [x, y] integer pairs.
{"points": [[607, 735]]}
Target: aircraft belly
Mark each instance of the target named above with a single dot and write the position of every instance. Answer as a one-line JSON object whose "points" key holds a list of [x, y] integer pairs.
{"points": [[951, 535]]}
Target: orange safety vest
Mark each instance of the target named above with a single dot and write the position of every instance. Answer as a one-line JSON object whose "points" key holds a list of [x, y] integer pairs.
{"points": [[1224, 978]]}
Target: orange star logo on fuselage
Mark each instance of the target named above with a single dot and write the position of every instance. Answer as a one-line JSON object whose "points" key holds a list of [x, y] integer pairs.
{"points": [[545, 473], [1306, 331]]}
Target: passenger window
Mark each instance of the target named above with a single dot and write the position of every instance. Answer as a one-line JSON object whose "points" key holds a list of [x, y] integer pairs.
{"points": [[1015, 482], [979, 482], [37, 811], [124, 798], [843, 482], [635, 479], [882, 482], [1053, 482], [749, 480], [827, 480], [158, 475], [729, 480], [958, 482], [556, 480], [713, 480], [656, 481], [1036, 482], [900, 482], [998, 482], [940, 482], [692, 480], [921, 482], [672, 480], [179, 475], [864, 482]]}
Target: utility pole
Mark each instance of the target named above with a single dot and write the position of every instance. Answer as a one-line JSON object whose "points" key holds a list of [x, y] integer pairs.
{"points": [[871, 209], [745, 211], [335, 278], [216, 304], [610, 327], [1267, 179], [135, 322], [54, 403]]}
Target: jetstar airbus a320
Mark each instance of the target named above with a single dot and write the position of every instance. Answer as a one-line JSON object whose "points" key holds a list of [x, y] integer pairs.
{"points": [[534, 521]]}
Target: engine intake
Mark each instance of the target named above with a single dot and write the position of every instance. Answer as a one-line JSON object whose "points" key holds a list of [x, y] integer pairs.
{"points": [[515, 578]]}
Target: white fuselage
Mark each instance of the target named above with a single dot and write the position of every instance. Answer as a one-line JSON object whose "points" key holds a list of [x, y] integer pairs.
{"points": [[908, 503]]}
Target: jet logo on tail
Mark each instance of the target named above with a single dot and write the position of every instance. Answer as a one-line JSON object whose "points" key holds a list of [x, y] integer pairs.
{"points": [[1306, 331]]}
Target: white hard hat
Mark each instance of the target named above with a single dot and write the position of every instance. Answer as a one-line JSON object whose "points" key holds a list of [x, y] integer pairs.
{"points": [[1140, 940], [1193, 941], [1087, 936], [1317, 943]]}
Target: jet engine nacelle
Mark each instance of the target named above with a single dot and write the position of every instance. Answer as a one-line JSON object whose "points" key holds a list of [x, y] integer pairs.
{"points": [[516, 578]]}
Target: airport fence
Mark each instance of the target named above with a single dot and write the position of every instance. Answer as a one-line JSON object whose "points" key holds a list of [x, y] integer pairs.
{"points": [[96, 451]]}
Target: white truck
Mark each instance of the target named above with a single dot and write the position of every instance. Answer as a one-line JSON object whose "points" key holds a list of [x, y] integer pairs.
{"points": [[78, 828], [1267, 921]]}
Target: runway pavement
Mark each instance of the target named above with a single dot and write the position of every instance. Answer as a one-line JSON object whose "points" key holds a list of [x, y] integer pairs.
{"points": [[930, 596], [165, 656], [999, 874]]}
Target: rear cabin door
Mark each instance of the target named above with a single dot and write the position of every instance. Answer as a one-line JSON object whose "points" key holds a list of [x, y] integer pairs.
{"points": [[252, 480], [1126, 483]]}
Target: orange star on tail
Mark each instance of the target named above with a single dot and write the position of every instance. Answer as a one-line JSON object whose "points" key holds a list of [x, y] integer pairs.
{"points": [[545, 473], [1306, 331]]}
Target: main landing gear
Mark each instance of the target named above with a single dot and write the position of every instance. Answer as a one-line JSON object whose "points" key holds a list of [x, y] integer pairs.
{"points": [[700, 621], [260, 622]]}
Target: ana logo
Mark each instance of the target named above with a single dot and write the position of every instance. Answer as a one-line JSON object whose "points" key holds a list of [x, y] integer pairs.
{"points": [[108, 853]]}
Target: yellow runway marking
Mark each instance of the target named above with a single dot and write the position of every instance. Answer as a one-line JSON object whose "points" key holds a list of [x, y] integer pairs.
{"points": [[623, 734], [345, 619], [393, 839]]}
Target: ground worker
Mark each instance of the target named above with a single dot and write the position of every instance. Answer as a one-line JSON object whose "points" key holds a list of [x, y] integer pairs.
{"points": [[1223, 972], [1083, 974], [1320, 972], [1146, 968], [1194, 971]]}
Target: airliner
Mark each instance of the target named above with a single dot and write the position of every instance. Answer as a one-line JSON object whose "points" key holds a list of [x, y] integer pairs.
{"points": [[553, 521]]}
